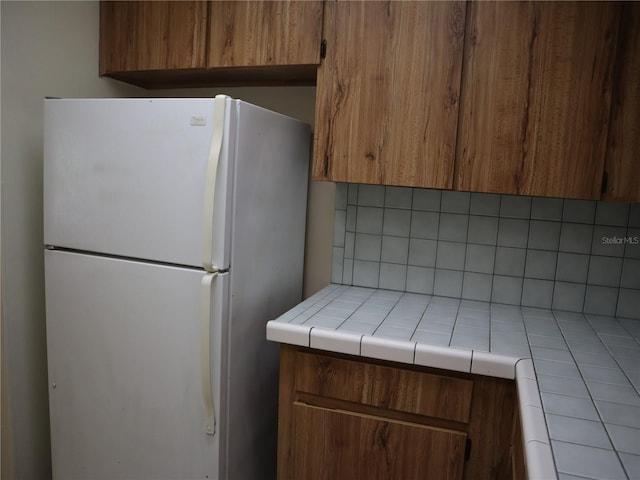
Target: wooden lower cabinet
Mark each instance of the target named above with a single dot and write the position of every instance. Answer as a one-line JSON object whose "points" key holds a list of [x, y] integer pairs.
{"points": [[345, 417], [349, 445]]}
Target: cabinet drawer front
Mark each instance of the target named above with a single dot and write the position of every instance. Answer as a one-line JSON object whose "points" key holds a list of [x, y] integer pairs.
{"points": [[385, 387]]}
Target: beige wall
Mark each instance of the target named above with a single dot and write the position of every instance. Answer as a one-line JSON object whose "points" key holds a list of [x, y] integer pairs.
{"points": [[51, 49]]}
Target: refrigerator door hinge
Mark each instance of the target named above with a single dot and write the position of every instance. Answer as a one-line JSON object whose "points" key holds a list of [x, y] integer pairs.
{"points": [[467, 450], [323, 48], [605, 179]]}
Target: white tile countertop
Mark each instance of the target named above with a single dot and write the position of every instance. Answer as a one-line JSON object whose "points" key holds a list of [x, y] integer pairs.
{"points": [[577, 375]]}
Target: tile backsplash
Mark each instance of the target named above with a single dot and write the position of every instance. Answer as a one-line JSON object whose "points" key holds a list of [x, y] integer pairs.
{"points": [[575, 255]]}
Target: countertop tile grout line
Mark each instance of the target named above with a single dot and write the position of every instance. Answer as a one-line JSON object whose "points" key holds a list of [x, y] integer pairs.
{"points": [[562, 332]]}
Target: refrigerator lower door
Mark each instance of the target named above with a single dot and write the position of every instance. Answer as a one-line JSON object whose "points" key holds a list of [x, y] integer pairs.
{"points": [[124, 369]]}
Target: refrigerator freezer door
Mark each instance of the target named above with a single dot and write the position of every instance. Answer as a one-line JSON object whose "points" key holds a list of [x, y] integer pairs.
{"points": [[124, 369], [126, 177]]}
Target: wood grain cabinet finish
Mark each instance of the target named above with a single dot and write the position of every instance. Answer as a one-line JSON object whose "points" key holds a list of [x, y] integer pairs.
{"points": [[345, 445], [158, 35], [343, 417], [623, 148], [536, 96], [161, 44], [387, 93], [264, 33]]}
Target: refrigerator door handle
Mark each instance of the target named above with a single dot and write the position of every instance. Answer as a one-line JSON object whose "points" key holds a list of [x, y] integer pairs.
{"points": [[211, 178], [205, 350]]}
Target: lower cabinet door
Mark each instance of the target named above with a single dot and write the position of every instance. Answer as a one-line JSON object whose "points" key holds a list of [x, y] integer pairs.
{"points": [[343, 445]]}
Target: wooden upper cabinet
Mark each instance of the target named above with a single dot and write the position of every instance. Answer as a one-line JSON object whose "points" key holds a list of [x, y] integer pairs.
{"points": [[264, 33], [158, 35], [536, 96], [623, 149], [159, 44], [387, 93]]}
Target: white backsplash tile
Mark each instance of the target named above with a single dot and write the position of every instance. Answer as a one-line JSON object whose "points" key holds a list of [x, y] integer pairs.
{"points": [[395, 249], [571, 255], [447, 283], [365, 274], [515, 206], [480, 258], [398, 197], [544, 235], [393, 276], [540, 264], [425, 225], [506, 290], [371, 195], [630, 274], [510, 261], [368, 247], [455, 202], [537, 293], [604, 271], [396, 222], [513, 232], [420, 279], [339, 228], [576, 238], [572, 267], [546, 208], [450, 255], [476, 286], [422, 252], [482, 230], [369, 220], [634, 215], [453, 227], [613, 214], [600, 300], [485, 204], [579, 211], [425, 199]]}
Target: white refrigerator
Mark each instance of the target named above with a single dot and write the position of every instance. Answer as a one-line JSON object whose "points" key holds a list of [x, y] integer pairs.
{"points": [[173, 230]]}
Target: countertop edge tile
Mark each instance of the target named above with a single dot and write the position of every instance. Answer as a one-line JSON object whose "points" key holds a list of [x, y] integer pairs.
{"points": [[528, 392], [540, 464], [288, 333], [447, 358], [388, 349], [333, 341], [534, 426], [493, 365], [524, 369]]}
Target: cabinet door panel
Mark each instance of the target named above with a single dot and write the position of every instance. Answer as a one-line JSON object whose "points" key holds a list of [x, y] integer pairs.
{"points": [[383, 386], [387, 94], [264, 33], [347, 446], [623, 152], [157, 35], [536, 94]]}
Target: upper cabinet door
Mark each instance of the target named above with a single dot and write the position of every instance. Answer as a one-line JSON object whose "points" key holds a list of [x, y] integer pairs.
{"points": [[387, 93], [157, 35], [264, 33], [536, 95], [623, 149]]}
